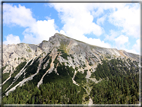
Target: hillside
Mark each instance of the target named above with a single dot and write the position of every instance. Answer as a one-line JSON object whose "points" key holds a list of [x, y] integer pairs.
{"points": [[67, 71]]}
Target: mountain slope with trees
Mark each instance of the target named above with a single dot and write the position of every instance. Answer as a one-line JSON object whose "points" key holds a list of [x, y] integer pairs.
{"points": [[67, 71]]}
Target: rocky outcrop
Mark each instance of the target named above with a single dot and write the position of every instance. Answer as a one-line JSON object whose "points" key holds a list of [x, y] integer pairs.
{"points": [[62, 50]]}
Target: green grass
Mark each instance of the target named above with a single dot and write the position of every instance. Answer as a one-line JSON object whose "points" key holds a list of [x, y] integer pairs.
{"points": [[5, 76], [63, 48], [64, 54], [6, 85]]}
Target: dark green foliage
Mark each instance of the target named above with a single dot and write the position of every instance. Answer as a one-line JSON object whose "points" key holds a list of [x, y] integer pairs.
{"points": [[18, 80], [90, 64], [71, 56], [5, 76], [108, 56], [84, 65], [29, 63], [76, 68], [37, 58], [62, 70], [21, 58], [64, 55], [6, 85], [55, 61], [87, 98], [122, 85], [37, 78], [112, 68], [63, 95], [80, 77], [51, 77], [65, 73], [18, 68], [70, 71], [118, 90], [31, 69], [46, 58], [57, 92]]}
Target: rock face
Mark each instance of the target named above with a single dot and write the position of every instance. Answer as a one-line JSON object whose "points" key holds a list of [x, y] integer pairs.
{"points": [[22, 62], [13, 55]]}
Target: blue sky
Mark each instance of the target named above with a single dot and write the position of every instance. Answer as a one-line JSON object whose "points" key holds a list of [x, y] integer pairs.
{"points": [[107, 25]]}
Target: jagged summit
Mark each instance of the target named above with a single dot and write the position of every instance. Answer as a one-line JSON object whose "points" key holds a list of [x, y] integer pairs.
{"points": [[62, 36]]}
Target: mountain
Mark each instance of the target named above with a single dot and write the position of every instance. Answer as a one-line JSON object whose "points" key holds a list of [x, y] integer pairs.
{"points": [[63, 71]]}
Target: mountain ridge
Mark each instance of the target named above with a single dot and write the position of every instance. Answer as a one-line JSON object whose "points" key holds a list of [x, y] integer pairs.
{"points": [[44, 46], [60, 57]]}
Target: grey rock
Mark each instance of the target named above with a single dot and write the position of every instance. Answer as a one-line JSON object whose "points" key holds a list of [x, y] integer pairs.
{"points": [[79, 54]]}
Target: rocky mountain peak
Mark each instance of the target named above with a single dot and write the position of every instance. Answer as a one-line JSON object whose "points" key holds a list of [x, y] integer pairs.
{"points": [[63, 58], [68, 45], [50, 56]]}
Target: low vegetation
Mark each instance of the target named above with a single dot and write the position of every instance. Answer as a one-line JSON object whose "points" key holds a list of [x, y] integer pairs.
{"points": [[119, 84]]}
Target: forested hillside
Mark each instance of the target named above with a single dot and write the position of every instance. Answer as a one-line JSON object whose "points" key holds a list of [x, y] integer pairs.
{"points": [[67, 71], [57, 92], [119, 85]]}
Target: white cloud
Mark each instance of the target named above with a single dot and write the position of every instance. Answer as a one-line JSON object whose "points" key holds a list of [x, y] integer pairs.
{"points": [[127, 17], [121, 44], [92, 41], [124, 15], [17, 15], [77, 18], [48, 18], [98, 12], [101, 20], [121, 40], [98, 9], [11, 39], [96, 42], [35, 31], [39, 31], [112, 36], [62, 32], [131, 51], [78, 21], [136, 46]]}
